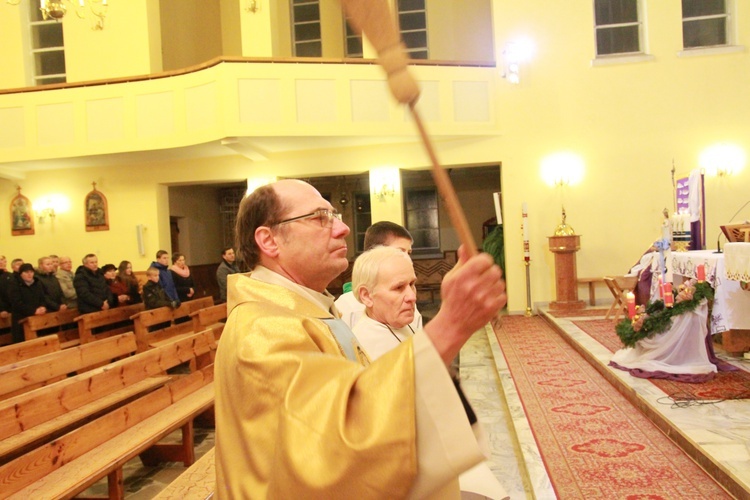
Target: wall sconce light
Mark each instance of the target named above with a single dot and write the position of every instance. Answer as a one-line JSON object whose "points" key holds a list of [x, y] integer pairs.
{"points": [[514, 54], [384, 192], [47, 212], [384, 182], [49, 206], [722, 159], [253, 6]]}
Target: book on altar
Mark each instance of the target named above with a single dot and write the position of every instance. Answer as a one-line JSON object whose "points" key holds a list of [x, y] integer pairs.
{"points": [[737, 232]]}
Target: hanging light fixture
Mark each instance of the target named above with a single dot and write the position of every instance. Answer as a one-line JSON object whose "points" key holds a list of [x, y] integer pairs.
{"points": [[56, 9]]}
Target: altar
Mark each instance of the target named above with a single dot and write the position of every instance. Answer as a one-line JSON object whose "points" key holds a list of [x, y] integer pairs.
{"points": [[731, 307]]}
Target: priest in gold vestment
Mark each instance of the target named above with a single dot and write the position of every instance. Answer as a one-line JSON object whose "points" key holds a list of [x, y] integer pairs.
{"points": [[300, 411]]}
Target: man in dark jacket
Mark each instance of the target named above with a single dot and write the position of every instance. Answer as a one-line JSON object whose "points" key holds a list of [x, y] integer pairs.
{"points": [[28, 299], [91, 287], [165, 277], [52, 289]]}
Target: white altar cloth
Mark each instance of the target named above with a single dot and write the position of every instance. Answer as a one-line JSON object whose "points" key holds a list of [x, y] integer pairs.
{"points": [[731, 308], [737, 260], [679, 350]]}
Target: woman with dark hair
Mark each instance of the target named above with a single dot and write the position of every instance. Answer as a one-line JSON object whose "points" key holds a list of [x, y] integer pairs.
{"points": [[181, 277], [125, 285]]}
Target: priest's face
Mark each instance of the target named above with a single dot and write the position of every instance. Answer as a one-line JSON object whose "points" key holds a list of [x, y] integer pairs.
{"points": [[392, 300], [311, 250]]}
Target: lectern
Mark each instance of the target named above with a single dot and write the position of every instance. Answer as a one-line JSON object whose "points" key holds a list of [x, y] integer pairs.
{"points": [[566, 276]]}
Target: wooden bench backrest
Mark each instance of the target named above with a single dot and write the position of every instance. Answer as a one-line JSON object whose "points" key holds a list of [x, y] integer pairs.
{"points": [[14, 353], [31, 468], [210, 317], [145, 319], [98, 319], [29, 410], [41, 370], [57, 319], [191, 306]]}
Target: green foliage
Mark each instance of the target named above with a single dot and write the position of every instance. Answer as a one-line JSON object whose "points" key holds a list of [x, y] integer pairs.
{"points": [[659, 317], [494, 244]]}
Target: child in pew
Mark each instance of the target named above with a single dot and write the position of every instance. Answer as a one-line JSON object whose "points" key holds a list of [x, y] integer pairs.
{"points": [[153, 294]]}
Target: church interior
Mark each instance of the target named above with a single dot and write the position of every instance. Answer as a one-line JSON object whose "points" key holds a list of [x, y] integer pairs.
{"points": [[577, 136]]}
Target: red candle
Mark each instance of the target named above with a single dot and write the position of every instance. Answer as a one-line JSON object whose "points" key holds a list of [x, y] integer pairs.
{"points": [[661, 288], [701, 273], [631, 304]]}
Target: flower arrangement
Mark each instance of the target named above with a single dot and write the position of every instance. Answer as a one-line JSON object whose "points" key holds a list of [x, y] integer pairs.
{"points": [[655, 318]]}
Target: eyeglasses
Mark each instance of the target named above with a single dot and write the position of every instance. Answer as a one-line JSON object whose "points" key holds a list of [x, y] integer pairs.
{"points": [[325, 216]]}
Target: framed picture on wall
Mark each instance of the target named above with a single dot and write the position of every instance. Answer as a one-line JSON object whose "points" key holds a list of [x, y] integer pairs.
{"points": [[21, 215], [97, 215]]}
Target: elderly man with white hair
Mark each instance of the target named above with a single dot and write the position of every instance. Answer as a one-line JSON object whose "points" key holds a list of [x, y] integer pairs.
{"points": [[383, 279]]}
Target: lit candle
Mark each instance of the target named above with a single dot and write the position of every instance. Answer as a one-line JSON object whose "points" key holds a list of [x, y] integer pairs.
{"points": [[631, 304], [525, 225], [668, 297], [701, 273]]}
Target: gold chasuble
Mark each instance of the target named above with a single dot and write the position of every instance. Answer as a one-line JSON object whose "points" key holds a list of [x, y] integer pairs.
{"points": [[294, 417]]}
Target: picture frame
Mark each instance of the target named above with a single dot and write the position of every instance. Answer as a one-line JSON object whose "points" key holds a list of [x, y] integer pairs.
{"points": [[96, 212], [21, 215]]}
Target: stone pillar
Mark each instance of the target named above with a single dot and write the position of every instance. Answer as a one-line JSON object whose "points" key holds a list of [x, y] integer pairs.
{"points": [[566, 277]]}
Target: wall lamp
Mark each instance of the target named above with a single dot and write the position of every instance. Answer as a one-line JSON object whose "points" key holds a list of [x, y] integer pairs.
{"points": [[514, 54], [384, 182], [722, 160], [49, 206]]}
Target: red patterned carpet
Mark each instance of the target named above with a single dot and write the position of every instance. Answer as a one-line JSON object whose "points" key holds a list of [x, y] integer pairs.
{"points": [[593, 442], [726, 385], [578, 314]]}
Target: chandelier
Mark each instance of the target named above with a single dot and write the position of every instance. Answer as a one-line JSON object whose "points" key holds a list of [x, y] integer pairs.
{"points": [[56, 9]]}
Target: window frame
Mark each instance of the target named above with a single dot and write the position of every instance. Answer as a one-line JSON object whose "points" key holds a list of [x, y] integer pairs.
{"points": [[728, 17], [412, 51], [32, 18], [350, 34], [641, 35], [294, 24], [421, 251]]}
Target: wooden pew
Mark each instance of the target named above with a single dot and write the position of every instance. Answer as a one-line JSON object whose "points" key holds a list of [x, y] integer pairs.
{"points": [[38, 371], [31, 419], [210, 317], [197, 482], [144, 320], [14, 353], [107, 322], [72, 462], [57, 320]]}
